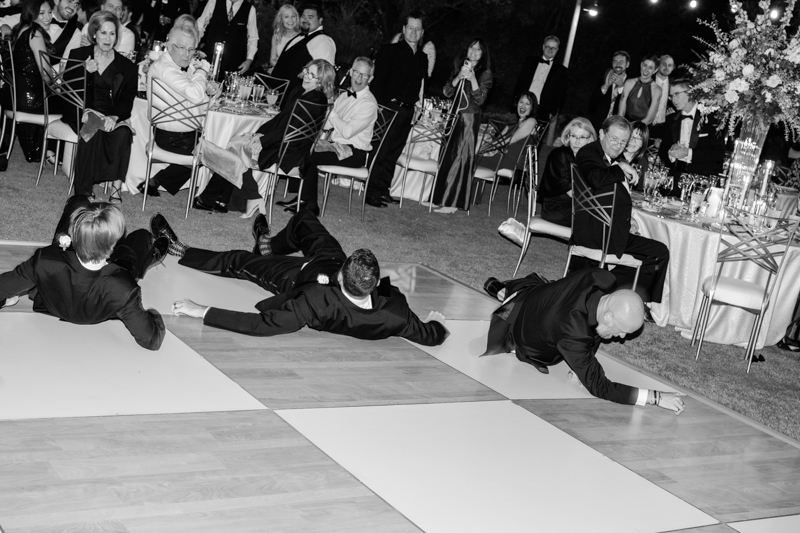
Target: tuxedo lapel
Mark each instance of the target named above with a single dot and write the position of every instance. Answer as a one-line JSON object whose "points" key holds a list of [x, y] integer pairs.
{"points": [[695, 135], [676, 127]]}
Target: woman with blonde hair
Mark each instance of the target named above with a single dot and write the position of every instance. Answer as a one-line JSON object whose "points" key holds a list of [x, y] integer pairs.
{"points": [[284, 28], [555, 187]]}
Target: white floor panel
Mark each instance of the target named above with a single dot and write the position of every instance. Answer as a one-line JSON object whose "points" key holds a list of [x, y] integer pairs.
{"points": [[489, 467], [782, 524], [50, 368], [517, 380], [170, 282]]}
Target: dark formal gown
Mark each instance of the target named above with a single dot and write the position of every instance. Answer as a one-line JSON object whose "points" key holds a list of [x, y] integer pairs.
{"points": [[454, 182], [30, 95], [556, 182]]}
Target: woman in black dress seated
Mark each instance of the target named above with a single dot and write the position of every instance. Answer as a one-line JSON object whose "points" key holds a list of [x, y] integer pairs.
{"points": [[30, 37], [315, 84], [519, 134], [555, 188], [111, 82]]}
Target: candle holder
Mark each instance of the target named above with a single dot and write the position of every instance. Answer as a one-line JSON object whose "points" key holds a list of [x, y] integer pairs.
{"points": [[216, 61], [158, 46]]}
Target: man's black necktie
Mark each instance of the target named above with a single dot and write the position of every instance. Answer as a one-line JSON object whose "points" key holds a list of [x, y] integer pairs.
{"points": [[352, 93], [60, 23], [545, 61]]}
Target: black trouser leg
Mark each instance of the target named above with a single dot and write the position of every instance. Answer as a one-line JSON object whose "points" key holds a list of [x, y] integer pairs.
{"points": [[134, 252], [74, 203], [310, 172], [218, 189], [174, 177], [653, 272], [305, 233], [393, 144]]}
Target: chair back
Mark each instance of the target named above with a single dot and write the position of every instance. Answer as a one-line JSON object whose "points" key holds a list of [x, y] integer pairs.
{"points": [[530, 173], [271, 82], [304, 126], [67, 81], [382, 125], [425, 130], [165, 107], [7, 71], [599, 206], [493, 141], [759, 239]]}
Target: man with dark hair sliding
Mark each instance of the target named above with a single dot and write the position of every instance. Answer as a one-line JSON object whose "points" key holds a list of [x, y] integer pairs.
{"points": [[324, 289]]}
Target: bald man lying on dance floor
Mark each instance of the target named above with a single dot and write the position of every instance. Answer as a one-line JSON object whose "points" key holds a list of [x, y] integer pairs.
{"points": [[324, 289], [549, 322]]}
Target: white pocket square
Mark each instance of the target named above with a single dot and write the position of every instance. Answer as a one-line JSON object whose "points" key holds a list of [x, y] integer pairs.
{"points": [[703, 135]]}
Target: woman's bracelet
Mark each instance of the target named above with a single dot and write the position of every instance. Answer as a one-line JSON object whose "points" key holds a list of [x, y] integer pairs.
{"points": [[653, 397]]}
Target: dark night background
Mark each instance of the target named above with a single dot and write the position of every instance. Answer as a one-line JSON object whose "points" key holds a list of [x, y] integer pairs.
{"points": [[514, 29]]}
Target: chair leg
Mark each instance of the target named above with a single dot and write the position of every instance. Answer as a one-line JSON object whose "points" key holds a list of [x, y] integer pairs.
{"points": [[326, 184], [72, 169], [696, 328], [636, 278], [754, 334], [271, 186], [147, 179], [58, 153], [703, 326], [569, 259], [430, 196], [299, 194], [11, 138], [525, 243], [192, 186], [44, 155]]}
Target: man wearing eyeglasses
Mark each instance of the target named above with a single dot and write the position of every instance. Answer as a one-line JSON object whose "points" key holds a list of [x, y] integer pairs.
{"points": [[187, 82], [126, 43], [690, 142], [544, 77], [351, 122], [602, 169]]}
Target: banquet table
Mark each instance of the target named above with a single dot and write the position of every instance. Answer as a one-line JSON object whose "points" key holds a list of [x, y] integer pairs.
{"points": [[219, 127], [693, 252]]}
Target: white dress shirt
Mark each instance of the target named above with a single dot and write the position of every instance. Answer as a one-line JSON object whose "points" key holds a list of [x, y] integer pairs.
{"points": [[54, 32], [661, 112], [252, 27], [189, 85], [322, 47], [539, 77], [126, 42], [353, 119]]}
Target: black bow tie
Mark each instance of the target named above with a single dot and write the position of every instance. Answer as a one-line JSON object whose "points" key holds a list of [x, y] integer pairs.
{"points": [[59, 23], [184, 69], [545, 61], [687, 117], [352, 93]]}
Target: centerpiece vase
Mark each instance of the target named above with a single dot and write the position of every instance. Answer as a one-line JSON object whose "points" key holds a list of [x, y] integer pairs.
{"points": [[746, 153]]}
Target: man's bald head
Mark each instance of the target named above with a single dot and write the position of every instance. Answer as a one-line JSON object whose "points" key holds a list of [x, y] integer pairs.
{"points": [[619, 313]]}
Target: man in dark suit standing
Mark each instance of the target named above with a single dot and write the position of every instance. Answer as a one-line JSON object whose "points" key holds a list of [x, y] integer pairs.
{"points": [[600, 170], [690, 141], [565, 320], [323, 289], [604, 101], [545, 78]]}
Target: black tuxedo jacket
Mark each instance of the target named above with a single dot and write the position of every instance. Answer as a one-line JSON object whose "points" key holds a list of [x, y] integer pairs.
{"points": [[707, 144], [554, 90], [552, 322], [60, 286], [599, 103], [601, 177], [326, 308]]}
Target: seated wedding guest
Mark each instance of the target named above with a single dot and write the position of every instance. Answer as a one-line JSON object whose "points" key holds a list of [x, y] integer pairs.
{"points": [[351, 122], [105, 136], [640, 96], [468, 85], [601, 170], [555, 187], [234, 23], [187, 81], [284, 28], [315, 86], [517, 135], [126, 41], [635, 152], [89, 273], [64, 29], [546, 322], [323, 289]]}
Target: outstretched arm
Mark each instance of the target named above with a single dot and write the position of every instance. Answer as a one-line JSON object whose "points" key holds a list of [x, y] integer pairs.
{"points": [[279, 321], [428, 332]]}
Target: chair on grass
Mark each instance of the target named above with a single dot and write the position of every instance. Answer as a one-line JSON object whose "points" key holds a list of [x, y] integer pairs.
{"points": [[426, 131], [761, 240], [9, 78], [601, 207], [382, 124], [515, 189], [304, 126], [67, 82], [177, 113], [277, 84], [535, 223]]}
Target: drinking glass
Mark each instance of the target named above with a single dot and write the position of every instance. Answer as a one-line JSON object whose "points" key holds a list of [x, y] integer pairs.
{"points": [[272, 96], [258, 93], [695, 203], [232, 84], [650, 185]]}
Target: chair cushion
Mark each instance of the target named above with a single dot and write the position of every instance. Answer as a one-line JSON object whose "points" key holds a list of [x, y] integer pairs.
{"points": [[422, 165], [61, 131], [358, 173], [735, 292], [163, 156], [31, 118], [539, 225], [483, 173], [596, 255], [506, 173], [513, 230]]}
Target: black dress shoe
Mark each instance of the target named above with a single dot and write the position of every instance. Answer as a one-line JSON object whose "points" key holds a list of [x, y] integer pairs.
{"points": [[389, 200], [314, 208], [374, 201], [493, 286], [159, 227], [648, 316], [151, 189], [216, 207], [157, 253], [260, 227], [287, 203]]}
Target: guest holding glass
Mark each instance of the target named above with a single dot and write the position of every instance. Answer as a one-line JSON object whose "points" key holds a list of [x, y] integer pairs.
{"points": [[104, 143], [555, 188], [635, 151], [469, 85], [284, 28], [29, 38]]}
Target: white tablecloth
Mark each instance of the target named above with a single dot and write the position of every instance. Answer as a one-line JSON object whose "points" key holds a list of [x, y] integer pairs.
{"points": [[219, 128], [693, 252], [414, 180]]}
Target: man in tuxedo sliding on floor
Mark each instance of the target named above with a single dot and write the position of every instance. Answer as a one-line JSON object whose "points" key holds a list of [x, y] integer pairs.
{"points": [[546, 322], [324, 289], [90, 272]]}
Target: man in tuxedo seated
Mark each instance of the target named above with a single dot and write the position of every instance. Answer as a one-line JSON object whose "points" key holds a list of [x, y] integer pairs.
{"points": [[352, 119], [90, 272], [546, 322], [690, 141], [601, 171], [604, 101], [324, 289], [545, 78]]}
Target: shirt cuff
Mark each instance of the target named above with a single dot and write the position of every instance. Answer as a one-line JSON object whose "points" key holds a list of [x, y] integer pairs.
{"points": [[209, 308], [642, 398]]}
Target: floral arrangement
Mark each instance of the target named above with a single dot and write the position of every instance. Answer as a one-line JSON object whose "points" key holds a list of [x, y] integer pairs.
{"points": [[753, 70]]}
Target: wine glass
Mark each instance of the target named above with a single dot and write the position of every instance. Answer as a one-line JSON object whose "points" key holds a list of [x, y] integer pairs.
{"points": [[650, 185], [695, 202], [272, 96], [258, 93]]}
